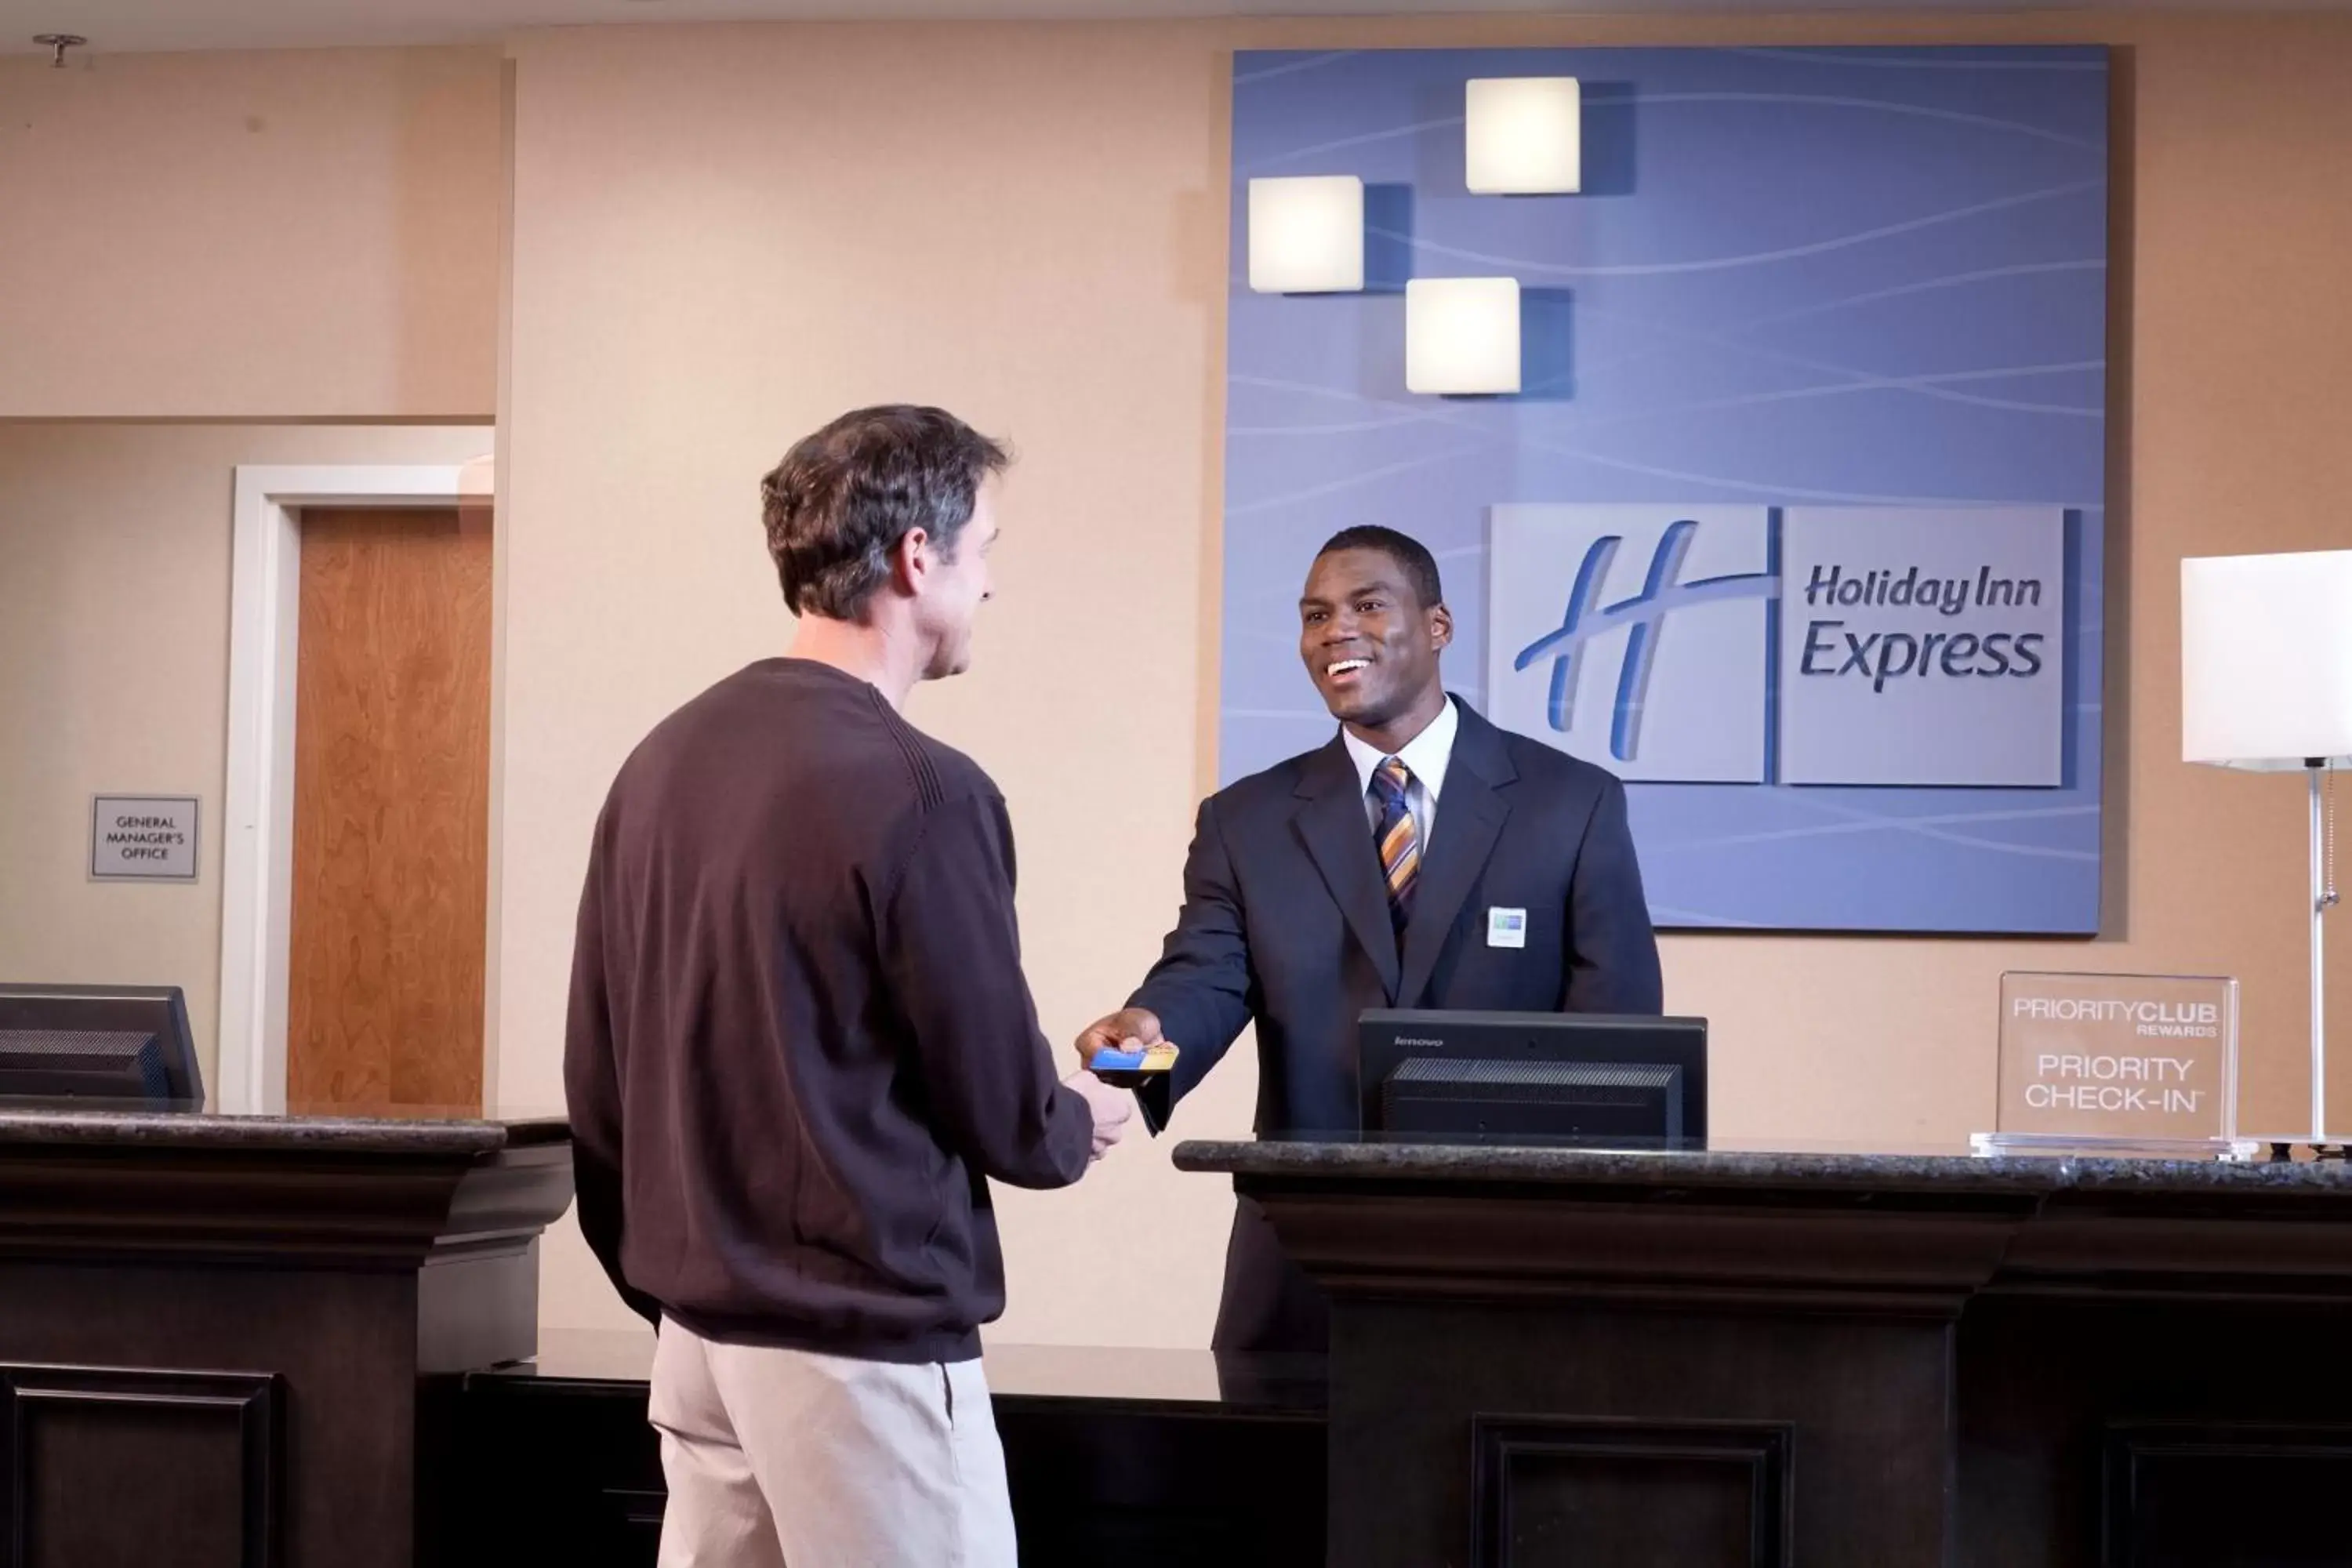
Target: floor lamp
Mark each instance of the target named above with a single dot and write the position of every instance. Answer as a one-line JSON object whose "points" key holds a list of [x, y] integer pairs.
{"points": [[2266, 685]]}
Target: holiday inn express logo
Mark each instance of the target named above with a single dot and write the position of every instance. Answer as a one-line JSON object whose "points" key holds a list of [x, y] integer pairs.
{"points": [[1815, 645], [1643, 618]]}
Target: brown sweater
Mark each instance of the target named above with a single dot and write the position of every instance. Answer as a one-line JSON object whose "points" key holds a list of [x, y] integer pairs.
{"points": [[799, 1037]]}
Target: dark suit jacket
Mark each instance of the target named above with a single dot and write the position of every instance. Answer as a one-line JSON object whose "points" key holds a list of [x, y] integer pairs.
{"points": [[1285, 922]]}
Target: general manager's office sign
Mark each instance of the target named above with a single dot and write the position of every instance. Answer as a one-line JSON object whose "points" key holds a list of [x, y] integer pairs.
{"points": [[142, 838]]}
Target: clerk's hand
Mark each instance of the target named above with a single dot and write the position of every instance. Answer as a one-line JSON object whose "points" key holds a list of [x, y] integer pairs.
{"points": [[1129, 1028], [1112, 1109]]}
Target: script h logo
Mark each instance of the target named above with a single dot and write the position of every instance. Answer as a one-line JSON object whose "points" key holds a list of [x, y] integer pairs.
{"points": [[1663, 593]]}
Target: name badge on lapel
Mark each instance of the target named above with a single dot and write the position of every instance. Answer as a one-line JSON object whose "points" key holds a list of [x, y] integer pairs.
{"points": [[1507, 928]]}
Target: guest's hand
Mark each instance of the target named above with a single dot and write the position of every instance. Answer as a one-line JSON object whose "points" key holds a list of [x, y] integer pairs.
{"points": [[1129, 1028], [1112, 1109]]}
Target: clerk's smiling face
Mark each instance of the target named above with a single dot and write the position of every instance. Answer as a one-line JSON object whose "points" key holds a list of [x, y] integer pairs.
{"points": [[1368, 643]]}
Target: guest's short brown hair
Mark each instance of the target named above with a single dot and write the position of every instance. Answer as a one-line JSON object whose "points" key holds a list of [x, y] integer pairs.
{"points": [[843, 498]]}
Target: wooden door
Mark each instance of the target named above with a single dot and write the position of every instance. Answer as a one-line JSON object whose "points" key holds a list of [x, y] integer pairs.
{"points": [[391, 811]]}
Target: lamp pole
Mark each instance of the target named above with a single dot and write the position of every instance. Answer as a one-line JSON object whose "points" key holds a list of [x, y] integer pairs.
{"points": [[2320, 900], [2324, 898]]}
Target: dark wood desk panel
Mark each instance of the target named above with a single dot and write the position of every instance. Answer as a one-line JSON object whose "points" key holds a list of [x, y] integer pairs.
{"points": [[1850, 1361], [213, 1330]]}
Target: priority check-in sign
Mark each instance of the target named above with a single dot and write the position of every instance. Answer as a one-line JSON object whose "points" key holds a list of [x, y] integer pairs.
{"points": [[2132, 1057]]}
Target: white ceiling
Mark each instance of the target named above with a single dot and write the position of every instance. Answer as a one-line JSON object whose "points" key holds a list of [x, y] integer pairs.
{"points": [[137, 26]]}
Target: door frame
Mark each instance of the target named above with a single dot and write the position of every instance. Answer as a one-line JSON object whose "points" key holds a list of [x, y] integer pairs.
{"points": [[257, 818]]}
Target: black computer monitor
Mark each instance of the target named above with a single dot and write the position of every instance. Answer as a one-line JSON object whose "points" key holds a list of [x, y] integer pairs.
{"points": [[1598, 1078], [110, 1042]]}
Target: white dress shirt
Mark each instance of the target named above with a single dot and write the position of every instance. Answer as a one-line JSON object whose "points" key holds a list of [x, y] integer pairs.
{"points": [[1424, 757]]}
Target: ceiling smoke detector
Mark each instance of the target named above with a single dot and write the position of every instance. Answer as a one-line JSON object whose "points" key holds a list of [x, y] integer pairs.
{"points": [[58, 44]]}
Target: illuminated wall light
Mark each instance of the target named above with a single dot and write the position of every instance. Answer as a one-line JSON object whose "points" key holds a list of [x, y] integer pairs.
{"points": [[1524, 136], [1462, 335], [1306, 235]]}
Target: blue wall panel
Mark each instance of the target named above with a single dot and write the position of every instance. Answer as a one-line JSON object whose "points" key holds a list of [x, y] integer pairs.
{"points": [[1796, 280]]}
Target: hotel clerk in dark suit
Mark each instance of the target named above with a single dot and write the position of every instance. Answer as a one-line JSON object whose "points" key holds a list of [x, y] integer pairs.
{"points": [[1383, 870]]}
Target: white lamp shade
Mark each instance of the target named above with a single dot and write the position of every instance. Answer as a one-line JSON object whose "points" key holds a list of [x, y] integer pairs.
{"points": [[1524, 136], [1306, 235], [2266, 659], [1462, 335]]}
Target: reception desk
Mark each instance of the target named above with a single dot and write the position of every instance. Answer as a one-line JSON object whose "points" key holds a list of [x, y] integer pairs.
{"points": [[1838, 1359], [219, 1336]]}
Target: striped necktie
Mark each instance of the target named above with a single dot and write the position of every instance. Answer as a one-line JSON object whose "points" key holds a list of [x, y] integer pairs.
{"points": [[1398, 838]]}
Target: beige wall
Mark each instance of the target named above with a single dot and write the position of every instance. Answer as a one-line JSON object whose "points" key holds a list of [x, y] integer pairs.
{"points": [[252, 236], [723, 236], [114, 591]]}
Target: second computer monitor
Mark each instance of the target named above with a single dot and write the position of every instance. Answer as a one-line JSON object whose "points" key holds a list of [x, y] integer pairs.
{"points": [[1586, 1076]]}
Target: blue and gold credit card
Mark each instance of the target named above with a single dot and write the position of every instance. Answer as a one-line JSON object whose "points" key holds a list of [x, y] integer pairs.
{"points": [[1131, 1070]]}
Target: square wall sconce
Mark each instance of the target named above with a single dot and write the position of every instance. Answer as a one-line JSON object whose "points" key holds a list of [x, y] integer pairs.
{"points": [[1524, 136], [1306, 235], [1462, 335]]}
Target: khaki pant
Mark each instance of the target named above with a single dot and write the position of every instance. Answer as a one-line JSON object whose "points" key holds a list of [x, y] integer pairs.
{"points": [[782, 1458]]}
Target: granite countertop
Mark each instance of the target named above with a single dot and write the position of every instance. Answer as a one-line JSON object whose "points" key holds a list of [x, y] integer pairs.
{"points": [[407, 1130], [1817, 1169]]}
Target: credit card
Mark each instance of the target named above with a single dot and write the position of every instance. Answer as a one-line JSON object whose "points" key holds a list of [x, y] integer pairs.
{"points": [[1128, 1069]]}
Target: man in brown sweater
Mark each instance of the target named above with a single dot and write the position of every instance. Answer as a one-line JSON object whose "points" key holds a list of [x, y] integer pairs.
{"points": [[800, 1042]]}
